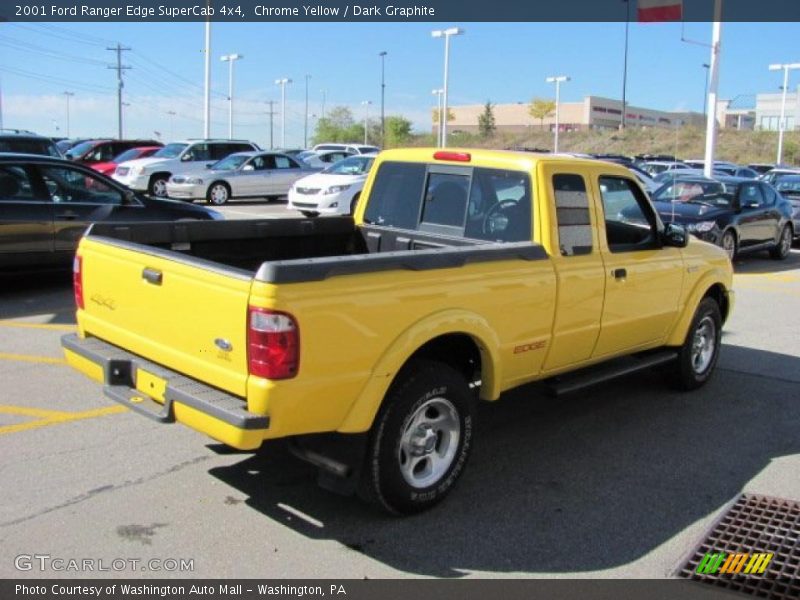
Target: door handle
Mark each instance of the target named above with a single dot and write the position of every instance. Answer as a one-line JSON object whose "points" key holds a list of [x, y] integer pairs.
{"points": [[153, 276], [619, 273]]}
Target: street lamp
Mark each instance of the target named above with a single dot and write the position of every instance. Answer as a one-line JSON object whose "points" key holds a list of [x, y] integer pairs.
{"points": [[558, 80], [782, 124], [706, 66], [305, 122], [366, 104], [447, 34], [68, 95], [230, 59], [438, 93], [324, 93], [383, 96], [171, 114], [282, 83]]}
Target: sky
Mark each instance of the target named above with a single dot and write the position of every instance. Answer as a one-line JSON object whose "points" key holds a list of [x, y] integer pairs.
{"points": [[497, 62]]}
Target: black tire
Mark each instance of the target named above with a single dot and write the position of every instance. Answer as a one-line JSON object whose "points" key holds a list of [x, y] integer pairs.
{"points": [[218, 193], [730, 244], [309, 214], [784, 246], [354, 204], [158, 186], [408, 470], [695, 364]]}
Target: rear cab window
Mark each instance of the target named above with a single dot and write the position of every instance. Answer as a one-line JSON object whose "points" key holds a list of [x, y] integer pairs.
{"points": [[493, 205]]}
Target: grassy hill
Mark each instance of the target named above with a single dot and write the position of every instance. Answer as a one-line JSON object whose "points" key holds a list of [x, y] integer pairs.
{"points": [[686, 142]]}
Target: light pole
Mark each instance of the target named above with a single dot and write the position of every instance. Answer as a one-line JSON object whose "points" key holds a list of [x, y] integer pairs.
{"points": [[782, 123], [438, 93], [230, 59], [305, 122], [366, 104], [383, 54], [706, 66], [68, 95], [171, 114], [558, 80], [447, 34], [324, 93], [282, 83]]}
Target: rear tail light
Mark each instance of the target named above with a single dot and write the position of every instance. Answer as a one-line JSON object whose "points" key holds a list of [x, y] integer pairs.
{"points": [[454, 156], [273, 344], [77, 280]]}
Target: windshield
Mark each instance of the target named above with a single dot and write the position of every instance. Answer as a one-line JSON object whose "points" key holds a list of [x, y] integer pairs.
{"points": [[306, 154], [354, 165], [170, 151], [229, 163], [788, 184], [81, 149]]}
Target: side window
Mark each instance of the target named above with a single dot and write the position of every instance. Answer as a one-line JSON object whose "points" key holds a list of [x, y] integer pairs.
{"points": [[396, 195], [750, 195], [630, 222], [283, 162], [259, 163], [68, 185], [15, 185], [197, 152], [572, 214], [499, 207], [445, 201]]}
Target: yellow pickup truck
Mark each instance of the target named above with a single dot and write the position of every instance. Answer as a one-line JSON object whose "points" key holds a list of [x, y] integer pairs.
{"points": [[369, 340]]}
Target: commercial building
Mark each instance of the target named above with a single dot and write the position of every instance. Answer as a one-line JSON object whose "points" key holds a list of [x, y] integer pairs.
{"points": [[593, 112], [768, 110]]}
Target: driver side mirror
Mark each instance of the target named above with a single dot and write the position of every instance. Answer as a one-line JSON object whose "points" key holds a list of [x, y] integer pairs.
{"points": [[248, 168], [675, 235]]}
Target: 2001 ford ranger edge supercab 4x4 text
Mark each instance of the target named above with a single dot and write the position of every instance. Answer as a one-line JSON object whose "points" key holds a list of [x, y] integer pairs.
{"points": [[368, 339]]}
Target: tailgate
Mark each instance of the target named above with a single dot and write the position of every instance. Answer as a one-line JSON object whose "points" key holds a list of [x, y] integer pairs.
{"points": [[186, 314]]}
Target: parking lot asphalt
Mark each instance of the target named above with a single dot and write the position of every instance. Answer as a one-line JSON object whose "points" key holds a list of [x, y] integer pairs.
{"points": [[620, 480]]}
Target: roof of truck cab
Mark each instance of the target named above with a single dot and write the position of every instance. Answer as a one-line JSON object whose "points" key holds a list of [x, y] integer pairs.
{"points": [[489, 158]]}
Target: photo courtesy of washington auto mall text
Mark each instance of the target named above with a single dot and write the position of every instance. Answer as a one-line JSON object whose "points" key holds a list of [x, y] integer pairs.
{"points": [[400, 299]]}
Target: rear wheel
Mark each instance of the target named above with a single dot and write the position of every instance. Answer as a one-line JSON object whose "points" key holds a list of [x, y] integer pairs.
{"points": [[421, 439], [784, 246], [729, 244], [218, 193], [700, 351], [158, 186]]}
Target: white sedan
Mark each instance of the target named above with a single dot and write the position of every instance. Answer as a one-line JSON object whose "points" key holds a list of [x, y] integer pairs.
{"points": [[240, 175], [334, 191]]}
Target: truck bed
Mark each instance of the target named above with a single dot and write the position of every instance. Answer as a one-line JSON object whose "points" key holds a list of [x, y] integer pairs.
{"points": [[296, 250]]}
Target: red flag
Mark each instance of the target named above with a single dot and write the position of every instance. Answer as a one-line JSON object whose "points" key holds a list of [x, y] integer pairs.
{"points": [[649, 11]]}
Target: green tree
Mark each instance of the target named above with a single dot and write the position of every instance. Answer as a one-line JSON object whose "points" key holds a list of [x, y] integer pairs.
{"points": [[541, 109], [398, 131], [450, 116], [338, 126], [486, 123]]}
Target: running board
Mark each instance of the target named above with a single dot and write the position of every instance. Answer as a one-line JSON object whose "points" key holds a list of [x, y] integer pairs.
{"points": [[584, 378]]}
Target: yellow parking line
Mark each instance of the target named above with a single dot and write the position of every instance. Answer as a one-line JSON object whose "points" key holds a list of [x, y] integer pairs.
{"points": [[53, 417], [51, 360], [50, 326]]}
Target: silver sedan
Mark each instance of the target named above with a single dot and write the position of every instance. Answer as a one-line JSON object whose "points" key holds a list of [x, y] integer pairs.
{"points": [[240, 175]]}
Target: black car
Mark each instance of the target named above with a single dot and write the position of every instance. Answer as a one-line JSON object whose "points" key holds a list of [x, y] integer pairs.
{"points": [[47, 203], [747, 217], [789, 187], [27, 142]]}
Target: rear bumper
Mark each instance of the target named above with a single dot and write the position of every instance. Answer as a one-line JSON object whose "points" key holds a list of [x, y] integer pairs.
{"points": [[164, 395]]}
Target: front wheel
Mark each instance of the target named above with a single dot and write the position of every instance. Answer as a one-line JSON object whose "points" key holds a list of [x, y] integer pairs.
{"points": [[781, 251], [421, 439], [218, 194], [729, 244], [158, 187], [700, 351]]}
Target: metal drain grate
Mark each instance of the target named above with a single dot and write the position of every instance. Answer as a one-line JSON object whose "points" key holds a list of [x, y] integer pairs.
{"points": [[740, 544]]}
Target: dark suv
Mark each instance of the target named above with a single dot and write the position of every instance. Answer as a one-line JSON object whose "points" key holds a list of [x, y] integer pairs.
{"points": [[100, 151], [27, 142]]}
